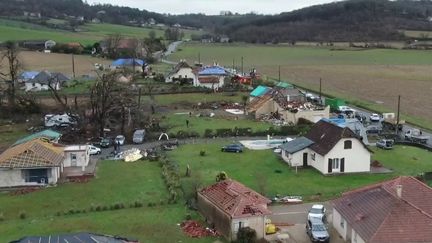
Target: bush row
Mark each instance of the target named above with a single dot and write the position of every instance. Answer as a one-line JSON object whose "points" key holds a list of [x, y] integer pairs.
{"points": [[171, 177]]}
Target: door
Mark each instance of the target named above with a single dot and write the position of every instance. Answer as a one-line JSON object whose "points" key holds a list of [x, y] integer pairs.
{"points": [[342, 165], [305, 159], [73, 160]]}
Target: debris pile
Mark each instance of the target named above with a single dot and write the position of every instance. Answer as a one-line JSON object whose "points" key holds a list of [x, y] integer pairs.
{"points": [[195, 230], [132, 155]]}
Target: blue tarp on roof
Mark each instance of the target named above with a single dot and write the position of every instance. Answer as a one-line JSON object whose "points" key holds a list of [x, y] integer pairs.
{"points": [[260, 91], [341, 122], [29, 75], [49, 134], [214, 70], [128, 62]]}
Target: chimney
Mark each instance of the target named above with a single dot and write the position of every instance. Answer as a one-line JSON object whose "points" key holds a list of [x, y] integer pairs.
{"points": [[399, 191]]}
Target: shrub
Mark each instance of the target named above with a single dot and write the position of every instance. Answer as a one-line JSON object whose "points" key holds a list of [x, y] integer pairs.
{"points": [[98, 208], [104, 208], [246, 235], [22, 215], [202, 153], [116, 206], [188, 217], [208, 133]]}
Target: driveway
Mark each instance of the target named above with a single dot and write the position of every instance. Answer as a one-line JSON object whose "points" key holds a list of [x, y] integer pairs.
{"points": [[293, 220]]}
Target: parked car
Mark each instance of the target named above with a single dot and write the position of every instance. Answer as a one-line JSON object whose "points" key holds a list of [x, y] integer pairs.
{"points": [[105, 143], [385, 143], [317, 231], [120, 139], [317, 211], [237, 148], [138, 136], [373, 130], [93, 150], [374, 118]]}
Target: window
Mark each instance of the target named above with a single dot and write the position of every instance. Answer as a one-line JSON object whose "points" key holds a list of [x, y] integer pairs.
{"points": [[335, 164], [348, 144], [342, 223], [313, 156], [73, 157]]}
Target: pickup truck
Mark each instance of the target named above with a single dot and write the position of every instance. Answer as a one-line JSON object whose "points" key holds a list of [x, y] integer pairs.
{"points": [[415, 135]]}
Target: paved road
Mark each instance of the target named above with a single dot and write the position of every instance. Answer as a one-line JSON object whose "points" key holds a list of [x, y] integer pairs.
{"points": [[170, 50]]}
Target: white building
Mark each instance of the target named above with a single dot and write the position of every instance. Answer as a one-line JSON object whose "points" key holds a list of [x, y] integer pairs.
{"points": [[182, 73], [44, 79], [330, 149], [76, 156], [211, 77], [33, 163]]}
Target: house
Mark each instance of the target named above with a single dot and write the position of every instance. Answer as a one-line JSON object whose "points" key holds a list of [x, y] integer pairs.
{"points": [[229, 206], [182, 73], [398, 210], [285, 104], [76, 156], [76, 238], [33, 163], [328, 148], [212, 77], [46, 135], [134, 63], [43, 79], [27, 76]]}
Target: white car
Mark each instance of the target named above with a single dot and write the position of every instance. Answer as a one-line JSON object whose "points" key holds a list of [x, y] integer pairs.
{"points": [[317, 211], [120, 139], [93, 150], [374, 117]]}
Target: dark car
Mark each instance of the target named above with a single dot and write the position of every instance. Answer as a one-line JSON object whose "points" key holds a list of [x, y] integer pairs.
{"points": [[105, 143], [237, 148], [317, 230]]}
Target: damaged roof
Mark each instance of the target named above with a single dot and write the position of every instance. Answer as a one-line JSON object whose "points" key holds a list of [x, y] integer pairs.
{"points": [[379, 215], [296, 145], [235, 199]]}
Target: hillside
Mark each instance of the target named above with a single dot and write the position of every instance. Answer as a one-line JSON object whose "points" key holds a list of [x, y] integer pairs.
{"points": [[354, 20]]}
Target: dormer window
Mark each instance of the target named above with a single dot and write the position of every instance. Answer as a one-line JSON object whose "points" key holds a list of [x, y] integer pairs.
{"points": [[348, 144]]}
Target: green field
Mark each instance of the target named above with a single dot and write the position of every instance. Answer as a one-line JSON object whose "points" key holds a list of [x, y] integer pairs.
{"points": [[116, 182], [372, 78], [266, 173], [91, 33]]}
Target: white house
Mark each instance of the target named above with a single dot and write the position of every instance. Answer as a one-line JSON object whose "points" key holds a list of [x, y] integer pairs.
{"points": [[33, 163], [211, 77], [76, 156], [330, 149], [182, 73], [43, 79]]}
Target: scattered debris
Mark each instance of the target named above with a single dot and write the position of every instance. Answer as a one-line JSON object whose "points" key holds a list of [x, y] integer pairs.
{"points": [[132, 155], [287, 199], [195, 230]]}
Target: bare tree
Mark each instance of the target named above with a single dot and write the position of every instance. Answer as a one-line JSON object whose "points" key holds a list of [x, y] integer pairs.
{"points": [[53, 86], [112, 43], [9, 55]]}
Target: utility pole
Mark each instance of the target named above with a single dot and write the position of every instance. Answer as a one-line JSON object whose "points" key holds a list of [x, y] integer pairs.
{"points": [[320, 90], [242, 66], [398, 115], [279, 74], [73, 65]]}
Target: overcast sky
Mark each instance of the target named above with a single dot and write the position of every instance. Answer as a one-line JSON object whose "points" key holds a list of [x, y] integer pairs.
{"points": [[215, 6]]}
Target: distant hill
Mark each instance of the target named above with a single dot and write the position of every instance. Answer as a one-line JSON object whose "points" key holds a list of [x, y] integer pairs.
{"points": [[354, 20], [351, 20]]}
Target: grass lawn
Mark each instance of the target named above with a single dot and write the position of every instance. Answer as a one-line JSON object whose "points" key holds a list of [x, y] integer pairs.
{"points": [[10, 133], [266, 173], [116, 182], [177, 122], [195, 98]]}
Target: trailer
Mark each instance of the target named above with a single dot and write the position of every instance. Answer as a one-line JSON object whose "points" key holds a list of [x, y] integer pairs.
{"points": [[390, 122], [416, 136]]}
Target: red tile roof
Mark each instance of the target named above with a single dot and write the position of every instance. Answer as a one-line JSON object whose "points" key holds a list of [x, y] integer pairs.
{"points": [[235, 199], [326, 135], [378, 215]]}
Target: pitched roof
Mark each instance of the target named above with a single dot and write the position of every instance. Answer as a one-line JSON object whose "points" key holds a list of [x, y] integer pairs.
{"points": [[47, 134], [75, 238], [180, 65], [213, 70], [326, 135], [28, 75], [45, 77], [258, 102], [260, 91], [235, 199], [128, 62], [378, 215], [31, 154], [296, 145]]}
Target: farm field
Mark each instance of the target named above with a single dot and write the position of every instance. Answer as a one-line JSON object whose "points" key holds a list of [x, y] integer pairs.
{"points": [[116, 182], [372, 77], [91, 33]]}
